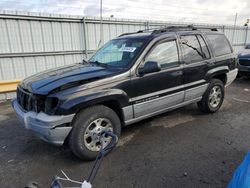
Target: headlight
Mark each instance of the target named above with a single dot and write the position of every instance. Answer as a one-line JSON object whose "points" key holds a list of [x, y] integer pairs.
{"points": [[50, 104]]}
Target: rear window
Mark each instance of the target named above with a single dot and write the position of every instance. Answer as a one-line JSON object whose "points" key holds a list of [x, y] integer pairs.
{"points": [[219, 44]]}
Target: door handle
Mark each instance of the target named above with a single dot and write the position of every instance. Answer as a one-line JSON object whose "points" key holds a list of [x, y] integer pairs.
{"points": [[179, 72], [210, 62]]}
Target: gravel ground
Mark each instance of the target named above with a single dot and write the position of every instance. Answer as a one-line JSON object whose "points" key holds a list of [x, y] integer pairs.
{"points": [[182, 148]]}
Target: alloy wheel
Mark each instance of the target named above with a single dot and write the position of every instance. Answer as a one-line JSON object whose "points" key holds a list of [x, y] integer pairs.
{"points": [[93, 132]]}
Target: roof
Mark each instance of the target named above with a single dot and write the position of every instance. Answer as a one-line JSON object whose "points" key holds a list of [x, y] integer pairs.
{"points": [[170, 30]]}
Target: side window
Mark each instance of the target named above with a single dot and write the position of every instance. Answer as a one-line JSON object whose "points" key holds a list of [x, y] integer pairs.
{"points": [[219, 44], [166, 54], [191, 49], [204, 47]]}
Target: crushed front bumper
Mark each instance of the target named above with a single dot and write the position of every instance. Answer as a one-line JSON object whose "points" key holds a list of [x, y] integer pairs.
{"points": [[53, 129]]}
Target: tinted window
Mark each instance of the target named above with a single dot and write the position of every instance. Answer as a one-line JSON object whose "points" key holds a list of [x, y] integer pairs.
{"points": [[203, 47], [219, 44], [191, 49], [166, 54]]}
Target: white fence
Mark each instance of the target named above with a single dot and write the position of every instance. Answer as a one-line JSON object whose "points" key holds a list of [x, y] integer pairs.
{"points": [[32, 42]]}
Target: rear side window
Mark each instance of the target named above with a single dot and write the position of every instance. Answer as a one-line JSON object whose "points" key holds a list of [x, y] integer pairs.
{"points": [[192, 51], [203, 47], [219, 44]]}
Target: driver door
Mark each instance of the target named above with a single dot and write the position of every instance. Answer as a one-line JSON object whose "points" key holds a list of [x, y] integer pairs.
{"points": [[157, 91]]}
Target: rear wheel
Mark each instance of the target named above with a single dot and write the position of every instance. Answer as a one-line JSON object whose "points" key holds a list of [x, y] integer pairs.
{"points": [[88, 124], [213, 97]]}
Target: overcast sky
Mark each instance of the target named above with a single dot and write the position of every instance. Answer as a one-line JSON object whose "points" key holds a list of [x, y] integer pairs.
{"points": [[197, 11]]}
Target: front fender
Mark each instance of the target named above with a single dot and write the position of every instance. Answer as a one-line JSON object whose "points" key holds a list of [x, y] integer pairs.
{"points": [[79, 101]]}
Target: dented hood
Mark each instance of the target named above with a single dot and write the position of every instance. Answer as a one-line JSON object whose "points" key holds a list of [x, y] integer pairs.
{"points": [[47, 81]]}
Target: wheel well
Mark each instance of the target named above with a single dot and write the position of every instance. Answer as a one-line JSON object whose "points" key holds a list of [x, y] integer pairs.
{"points": [[222, 77], [114, 105]]}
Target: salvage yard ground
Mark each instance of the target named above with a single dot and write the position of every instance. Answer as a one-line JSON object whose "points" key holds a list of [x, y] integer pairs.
{"points": [[182, 148]]}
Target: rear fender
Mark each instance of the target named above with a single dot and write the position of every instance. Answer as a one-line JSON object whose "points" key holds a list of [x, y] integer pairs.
{"points": [[215, 72]]}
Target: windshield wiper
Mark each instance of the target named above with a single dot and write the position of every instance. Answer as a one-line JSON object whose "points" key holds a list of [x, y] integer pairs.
{"points": [[106, 65], [84, 61], [99, 63]]}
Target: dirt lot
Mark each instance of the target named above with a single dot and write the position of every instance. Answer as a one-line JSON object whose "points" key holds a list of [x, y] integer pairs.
{"points": [[182, 148]]}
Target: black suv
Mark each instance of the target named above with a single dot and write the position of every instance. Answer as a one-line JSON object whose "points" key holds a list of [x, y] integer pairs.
{"points": [[132, 77]]}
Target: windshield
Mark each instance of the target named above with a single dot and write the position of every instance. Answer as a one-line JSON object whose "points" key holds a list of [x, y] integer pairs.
{"points": [[118, 53]]}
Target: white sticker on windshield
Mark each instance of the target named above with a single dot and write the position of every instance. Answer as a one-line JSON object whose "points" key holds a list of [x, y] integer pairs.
{"points": [[127, 49]]}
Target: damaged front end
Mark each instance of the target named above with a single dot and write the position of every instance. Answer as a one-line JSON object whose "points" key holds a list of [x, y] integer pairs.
{"points": [[40, 97], [37, 113], [29, 101], [35, 102]]}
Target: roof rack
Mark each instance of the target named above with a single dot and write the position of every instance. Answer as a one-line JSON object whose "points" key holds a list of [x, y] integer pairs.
{"points": [[183, 28], [140, 31], [123, 34], [171, 28]]}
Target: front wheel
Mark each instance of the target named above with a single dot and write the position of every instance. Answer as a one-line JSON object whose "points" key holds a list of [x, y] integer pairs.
{"points": [[213, 97], [84, 140]]}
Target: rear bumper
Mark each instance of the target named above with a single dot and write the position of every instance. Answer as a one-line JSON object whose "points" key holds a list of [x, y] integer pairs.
{"points": [[231, 75], [53, 129]]}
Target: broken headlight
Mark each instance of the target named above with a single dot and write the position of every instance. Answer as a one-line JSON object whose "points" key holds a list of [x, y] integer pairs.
{"points": [[51, 104]]}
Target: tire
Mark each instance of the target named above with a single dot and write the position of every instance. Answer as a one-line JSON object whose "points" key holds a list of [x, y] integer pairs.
{"points": [[210, 103], [85, 131]]}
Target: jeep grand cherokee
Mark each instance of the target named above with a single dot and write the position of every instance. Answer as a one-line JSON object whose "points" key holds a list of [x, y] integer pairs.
{"points": [[132, 77]]}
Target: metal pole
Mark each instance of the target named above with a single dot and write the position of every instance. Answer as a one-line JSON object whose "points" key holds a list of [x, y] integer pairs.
{"points": [[235, 21], [223, 29], [147, 25], [85, 38], [101, 26], [246, 35]]}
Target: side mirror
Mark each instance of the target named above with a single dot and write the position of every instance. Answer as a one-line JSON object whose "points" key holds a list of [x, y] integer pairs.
{"points": [[149, 67]]}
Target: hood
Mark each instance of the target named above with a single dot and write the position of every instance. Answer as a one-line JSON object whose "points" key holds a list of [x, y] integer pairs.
{"points": [[64, 77], [244, 53]]}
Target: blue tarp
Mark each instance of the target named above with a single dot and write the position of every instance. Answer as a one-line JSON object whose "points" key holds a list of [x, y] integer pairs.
{"points": [[241, 177]]}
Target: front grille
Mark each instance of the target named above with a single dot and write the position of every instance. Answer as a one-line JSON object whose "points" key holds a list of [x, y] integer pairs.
{"points": [[244, 62], [30, 102], [26, 100]]}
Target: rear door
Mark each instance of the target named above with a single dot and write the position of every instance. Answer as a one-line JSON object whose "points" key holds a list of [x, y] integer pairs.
{"points": [[197, 60]]}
